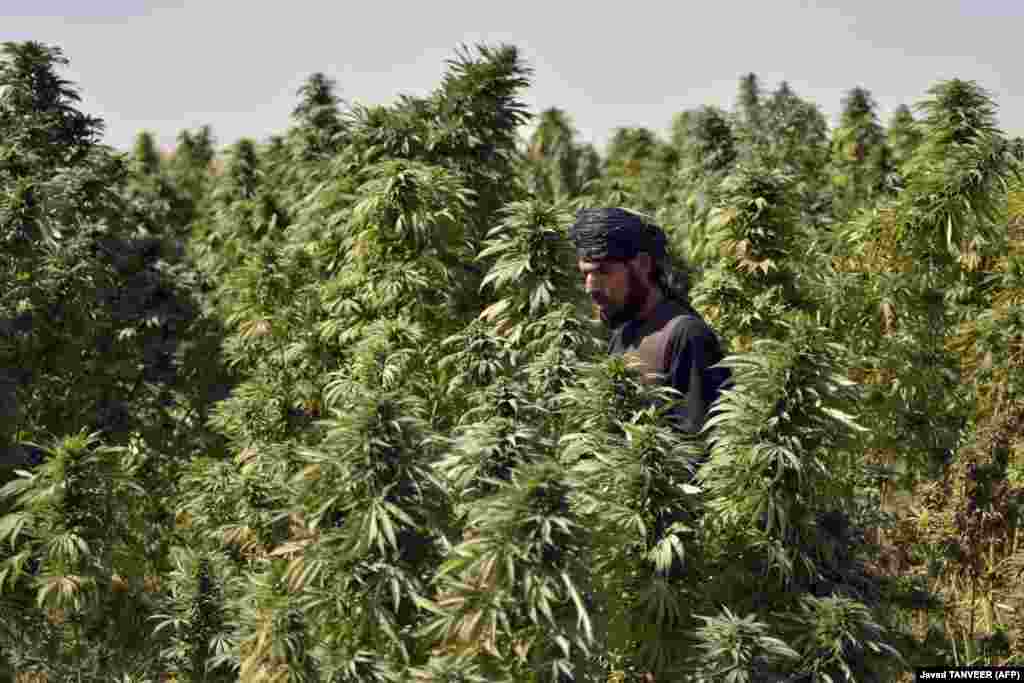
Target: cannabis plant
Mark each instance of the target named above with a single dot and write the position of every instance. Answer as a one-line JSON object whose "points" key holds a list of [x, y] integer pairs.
{"points": [[77, 567]]}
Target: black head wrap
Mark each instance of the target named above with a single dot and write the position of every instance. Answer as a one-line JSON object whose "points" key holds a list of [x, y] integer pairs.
{"points": [[614, 233]]}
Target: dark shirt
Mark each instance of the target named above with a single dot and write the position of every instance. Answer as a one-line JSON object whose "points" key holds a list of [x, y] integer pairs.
{"points": [[676, 347]]}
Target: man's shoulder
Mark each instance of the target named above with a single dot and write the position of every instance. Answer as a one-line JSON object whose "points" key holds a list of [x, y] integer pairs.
{"points": [[687, 328], [672, 321], [682, 320]]}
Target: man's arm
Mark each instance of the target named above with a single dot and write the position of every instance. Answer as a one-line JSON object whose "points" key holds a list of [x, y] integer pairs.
{"points": [[694, 349]]}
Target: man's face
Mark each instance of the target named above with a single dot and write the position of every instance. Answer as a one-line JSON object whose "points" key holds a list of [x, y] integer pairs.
{"points": [[617, 289]]}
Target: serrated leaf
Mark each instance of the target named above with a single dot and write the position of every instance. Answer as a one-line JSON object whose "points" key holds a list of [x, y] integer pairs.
{"points": [[11, 526], [495, 310]]}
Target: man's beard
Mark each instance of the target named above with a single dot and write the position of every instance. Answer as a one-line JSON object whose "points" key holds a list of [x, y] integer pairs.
{"points": [[637, 293]]}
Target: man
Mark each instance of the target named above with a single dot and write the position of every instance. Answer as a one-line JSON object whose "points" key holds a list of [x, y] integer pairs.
{"points": [[626, 270], [625, 266]]}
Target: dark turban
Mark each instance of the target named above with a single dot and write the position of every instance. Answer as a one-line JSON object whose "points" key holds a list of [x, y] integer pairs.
{"points": [[615, 234]]}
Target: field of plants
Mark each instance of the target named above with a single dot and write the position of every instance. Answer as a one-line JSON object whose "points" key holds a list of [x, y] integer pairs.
{"points": [[334, 407]]}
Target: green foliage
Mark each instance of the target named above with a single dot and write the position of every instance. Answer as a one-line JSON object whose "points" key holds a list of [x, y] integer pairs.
{"points": [[100, 322], [533, 263], [512, 589], [861, 159], [557, 166], [753, 231], [903, 135], [739, 650], [749, 106], [637, 173], [160, 208], [635, 494], [42, 128], [76, 553], [95, 304], [198, 612], [190, 163], [793, 459], [798, 145], [705, 140], [334, 406], [319, 121], [380, 511]]}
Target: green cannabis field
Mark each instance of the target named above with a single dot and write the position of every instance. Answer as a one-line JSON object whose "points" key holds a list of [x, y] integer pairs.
{"points": [[334, 407]]}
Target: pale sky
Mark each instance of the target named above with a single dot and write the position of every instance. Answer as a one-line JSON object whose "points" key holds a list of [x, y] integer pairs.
{"points": [[166, 66]]}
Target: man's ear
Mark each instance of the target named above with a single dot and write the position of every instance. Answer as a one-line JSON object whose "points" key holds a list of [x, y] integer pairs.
{"points": [[644, 264]]}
